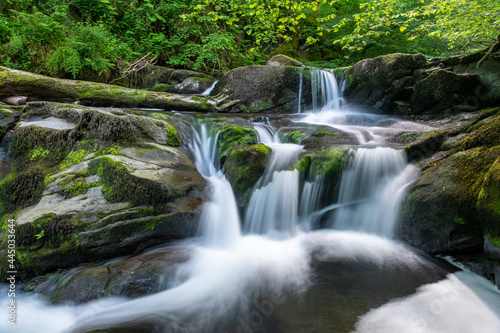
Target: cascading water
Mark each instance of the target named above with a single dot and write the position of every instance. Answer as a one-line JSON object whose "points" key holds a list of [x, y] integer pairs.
{"points": [[219, 220], [372, 190], [273, 206], [325, 91], [209, 89]]}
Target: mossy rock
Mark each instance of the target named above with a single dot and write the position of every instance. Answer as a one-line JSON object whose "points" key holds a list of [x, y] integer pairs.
{"points": [[244, 167], [120, 185], [443, 90], [22, 190], [488, 202], [328, 162], [232, 135], [488, 134]]}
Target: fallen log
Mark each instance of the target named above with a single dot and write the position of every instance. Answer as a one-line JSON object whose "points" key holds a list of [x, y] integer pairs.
{"points": [[16, 82]]}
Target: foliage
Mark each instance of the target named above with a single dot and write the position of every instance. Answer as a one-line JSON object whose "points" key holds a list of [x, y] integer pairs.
{"points": [[91, 39]]}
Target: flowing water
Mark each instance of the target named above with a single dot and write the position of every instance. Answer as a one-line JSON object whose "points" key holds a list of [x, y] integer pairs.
{"points": [[279, 276]]}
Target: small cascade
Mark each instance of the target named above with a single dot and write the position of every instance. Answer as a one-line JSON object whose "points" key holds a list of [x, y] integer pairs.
{"points": [[325, 91], [273, 206], [372, 190], [219, 221], [300, 93], [209, 89]]}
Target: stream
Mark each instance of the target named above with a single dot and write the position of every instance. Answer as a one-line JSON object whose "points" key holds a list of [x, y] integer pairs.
{"points": [[271, 269]]}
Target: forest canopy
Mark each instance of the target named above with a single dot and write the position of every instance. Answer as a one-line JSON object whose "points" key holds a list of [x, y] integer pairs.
{"points": [[101, 38]]}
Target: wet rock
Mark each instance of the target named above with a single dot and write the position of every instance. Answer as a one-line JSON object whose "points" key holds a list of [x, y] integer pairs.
{"points": [[115, 183], [132, 277], [192, 85], [244, 167], [269, 89], [455, 202]]}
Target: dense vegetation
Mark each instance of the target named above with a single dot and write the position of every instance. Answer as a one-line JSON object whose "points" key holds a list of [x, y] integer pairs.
{"points": [[100, 39]]}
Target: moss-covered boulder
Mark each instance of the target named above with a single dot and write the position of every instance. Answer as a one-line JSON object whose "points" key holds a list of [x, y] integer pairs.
{"points": [[232, 134], [268, 89], [442, 90], [89, 184], [328, 162], [380, 81], [244, 167], [454, 204]]}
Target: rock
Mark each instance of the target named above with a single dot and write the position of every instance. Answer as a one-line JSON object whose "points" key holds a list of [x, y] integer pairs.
{"points": [[283, 60], [16, 100], [96, 183], [192, 85], [269, 89], [370, 80], [9, 116], [133, 277], [442, 90], [232, 135], [327, 162], [244, 167], [454, 204]]}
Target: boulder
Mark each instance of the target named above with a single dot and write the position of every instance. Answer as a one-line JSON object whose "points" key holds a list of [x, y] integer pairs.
{"points": [[283, 60], [374, 81], [192, 85], [442, 90], [133, 277], [16, 100], [268, 89], [454, 204], [244, 167], [92, 183]]}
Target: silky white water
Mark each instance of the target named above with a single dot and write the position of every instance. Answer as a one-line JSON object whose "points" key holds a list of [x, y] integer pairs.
{"points": [[372, 187], [273, 207], [219, 220]]}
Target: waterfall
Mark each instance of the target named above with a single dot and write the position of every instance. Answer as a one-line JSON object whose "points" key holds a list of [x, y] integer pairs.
{"points": [[219, 220], [325, 91], [273, 206], [209, 89], [372, 190], [300, 94]]}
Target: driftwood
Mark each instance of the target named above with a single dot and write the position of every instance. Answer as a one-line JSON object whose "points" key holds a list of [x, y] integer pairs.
{"points": [[15, 82]]}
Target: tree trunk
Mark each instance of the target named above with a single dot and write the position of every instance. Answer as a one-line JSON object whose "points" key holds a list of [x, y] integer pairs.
{"points": [[15, 82]]}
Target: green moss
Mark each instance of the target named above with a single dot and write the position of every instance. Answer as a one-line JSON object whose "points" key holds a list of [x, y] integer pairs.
{"points": [[320, 133], [74, 157], [38, 152], [233, 135], [22, 190], [172, 136], [245, 166], [328, 162], [293, 136], [120, 185]]}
